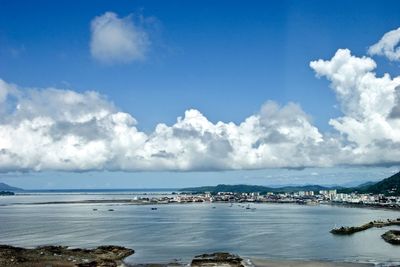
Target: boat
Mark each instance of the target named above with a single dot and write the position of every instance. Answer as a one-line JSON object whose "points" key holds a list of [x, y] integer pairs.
{"points": [[153, 208], [248, 207]]}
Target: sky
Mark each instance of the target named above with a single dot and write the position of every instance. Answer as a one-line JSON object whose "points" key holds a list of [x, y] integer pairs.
{"points": [[179, 93]]}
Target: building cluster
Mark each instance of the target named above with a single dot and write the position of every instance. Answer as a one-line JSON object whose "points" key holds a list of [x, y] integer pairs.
{"points": [[301, 197]]}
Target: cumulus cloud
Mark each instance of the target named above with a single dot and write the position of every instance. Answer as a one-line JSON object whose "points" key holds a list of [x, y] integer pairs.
{"points": [[83, 131], [118, 40], [387, 46], [369, 105], [56, 129]]}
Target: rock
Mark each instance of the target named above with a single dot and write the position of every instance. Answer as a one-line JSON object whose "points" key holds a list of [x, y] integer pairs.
{"points": [[392, 237], [217, 259], [106, 256]]}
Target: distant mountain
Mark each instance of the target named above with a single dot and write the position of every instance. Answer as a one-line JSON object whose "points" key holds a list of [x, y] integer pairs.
{"points": [[241, 188], [6, 187], [228, 188], [388, 186], [366, 184]]}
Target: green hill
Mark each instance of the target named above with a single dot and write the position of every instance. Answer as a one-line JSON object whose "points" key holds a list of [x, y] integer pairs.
{"points": [[388, 186]]}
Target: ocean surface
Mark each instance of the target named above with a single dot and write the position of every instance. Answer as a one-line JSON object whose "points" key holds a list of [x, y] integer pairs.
{"points": [[181, 231]]}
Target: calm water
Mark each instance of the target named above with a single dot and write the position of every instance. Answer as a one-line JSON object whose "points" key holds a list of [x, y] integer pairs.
{"points": [[182, 231]]}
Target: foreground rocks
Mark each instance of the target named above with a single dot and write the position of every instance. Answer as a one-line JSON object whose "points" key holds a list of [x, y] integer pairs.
{"points": [[221, 259], [62, 256], [104, 256], [392, 237]]}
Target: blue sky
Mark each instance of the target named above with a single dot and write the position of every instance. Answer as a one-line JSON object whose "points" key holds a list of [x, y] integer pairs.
{"points": [[223, 58], [205, 53]]}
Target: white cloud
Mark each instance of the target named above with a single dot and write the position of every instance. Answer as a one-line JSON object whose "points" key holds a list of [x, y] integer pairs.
{"points": [[53, 129], [117, 40], [387, 46], [368, 104]]}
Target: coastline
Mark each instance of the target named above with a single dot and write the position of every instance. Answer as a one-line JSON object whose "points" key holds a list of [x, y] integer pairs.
{"points": [[271, 262], [131, 201], [257, 262]]}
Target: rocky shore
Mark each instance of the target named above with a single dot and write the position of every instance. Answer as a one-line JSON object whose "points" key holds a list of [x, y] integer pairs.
{"points": [[112, 256], [62, 256]]}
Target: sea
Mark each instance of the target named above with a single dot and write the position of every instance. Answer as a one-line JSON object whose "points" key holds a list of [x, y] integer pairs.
{"points": [[178, 232]]}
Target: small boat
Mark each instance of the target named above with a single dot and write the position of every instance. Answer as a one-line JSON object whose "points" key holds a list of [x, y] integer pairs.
{"points": [[153, 208], [213, 207], [94, 209], [248, 207], [110, 210]]}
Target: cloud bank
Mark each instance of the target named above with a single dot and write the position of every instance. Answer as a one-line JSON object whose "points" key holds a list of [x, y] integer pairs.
{"points": [[56, 129], [117, 40], [53, 129]]}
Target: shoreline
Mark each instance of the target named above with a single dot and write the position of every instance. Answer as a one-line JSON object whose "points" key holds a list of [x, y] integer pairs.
{"points": [[130, 201], [271, 262], [258, 262]]}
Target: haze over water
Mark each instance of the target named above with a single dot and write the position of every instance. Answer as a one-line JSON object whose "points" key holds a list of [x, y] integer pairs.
{"points": [[181, 231]]}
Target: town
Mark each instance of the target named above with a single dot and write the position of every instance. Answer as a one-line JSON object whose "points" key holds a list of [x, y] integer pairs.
{"points": [[300, 197]]}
